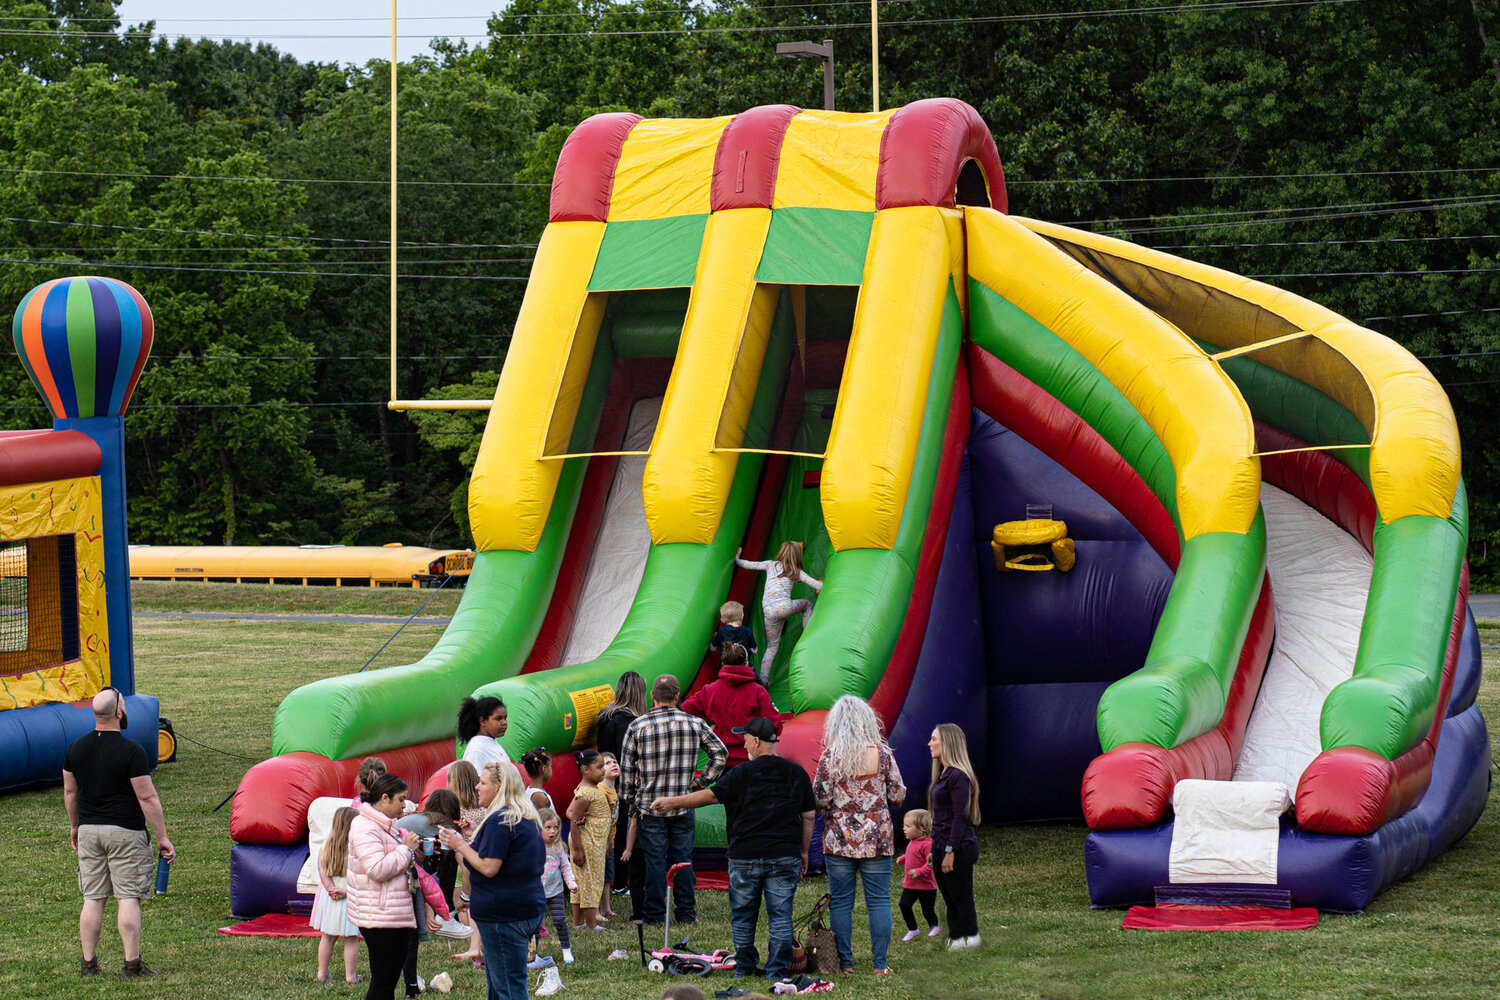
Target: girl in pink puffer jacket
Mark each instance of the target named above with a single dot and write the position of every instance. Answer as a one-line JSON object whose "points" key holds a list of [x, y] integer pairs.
{"points": [[379, 901]]}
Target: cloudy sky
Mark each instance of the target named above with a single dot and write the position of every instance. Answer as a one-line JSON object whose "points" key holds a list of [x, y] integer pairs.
{"points": [[342, 31]]}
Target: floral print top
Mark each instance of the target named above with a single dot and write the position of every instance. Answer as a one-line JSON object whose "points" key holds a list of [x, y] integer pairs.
{"points": [[858, 821]]}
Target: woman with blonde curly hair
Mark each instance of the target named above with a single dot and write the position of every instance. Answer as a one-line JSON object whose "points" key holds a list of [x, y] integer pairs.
{"points": [[856, 783]]}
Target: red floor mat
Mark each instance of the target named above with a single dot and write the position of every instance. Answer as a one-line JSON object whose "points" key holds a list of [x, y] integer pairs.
{"points": [[272, 925], [1186, 917]]}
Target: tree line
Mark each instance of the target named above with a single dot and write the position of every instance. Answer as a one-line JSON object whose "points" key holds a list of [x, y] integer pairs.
{"points": [[1348, 152]]}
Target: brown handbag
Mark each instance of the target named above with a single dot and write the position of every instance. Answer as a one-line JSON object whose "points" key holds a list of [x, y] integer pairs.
{"points": [[820, 953]]}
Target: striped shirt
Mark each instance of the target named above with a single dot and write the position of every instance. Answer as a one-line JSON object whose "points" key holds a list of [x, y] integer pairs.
{"points": [[659, 755]]}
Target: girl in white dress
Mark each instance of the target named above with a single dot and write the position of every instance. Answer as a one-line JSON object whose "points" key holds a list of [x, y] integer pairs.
{"points": [[329, 914]]}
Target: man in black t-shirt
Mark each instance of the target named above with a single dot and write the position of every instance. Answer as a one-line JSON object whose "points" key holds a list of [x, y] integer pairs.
{"points": [[769, 805], [110, 800]]}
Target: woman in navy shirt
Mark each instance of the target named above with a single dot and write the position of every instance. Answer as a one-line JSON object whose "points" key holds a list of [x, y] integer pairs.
{"points": [[953, 800], [505, 861]]}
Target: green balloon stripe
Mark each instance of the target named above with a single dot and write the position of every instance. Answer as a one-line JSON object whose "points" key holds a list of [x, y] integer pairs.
{"points": [[81, 345]]}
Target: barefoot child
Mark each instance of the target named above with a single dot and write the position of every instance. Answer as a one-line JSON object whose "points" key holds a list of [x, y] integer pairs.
{"points": [[329, 913], [776, 602], [557, 876], [918, 885], [589, 814]]}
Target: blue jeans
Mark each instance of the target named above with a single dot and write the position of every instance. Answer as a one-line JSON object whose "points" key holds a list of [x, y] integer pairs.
{"points": [[505, 944], [776, 879], [665, 841], [875, 873]]}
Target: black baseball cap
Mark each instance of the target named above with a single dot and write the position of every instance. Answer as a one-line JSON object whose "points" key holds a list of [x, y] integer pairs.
{"points": [[760, 727]]}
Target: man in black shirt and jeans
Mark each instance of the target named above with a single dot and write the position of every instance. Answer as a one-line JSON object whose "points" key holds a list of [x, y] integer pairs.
{"points": [[768, 802], [110, 799]]}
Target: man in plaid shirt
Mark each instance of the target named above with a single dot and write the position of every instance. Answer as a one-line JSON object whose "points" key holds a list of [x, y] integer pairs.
{"points": [[657, 760]]}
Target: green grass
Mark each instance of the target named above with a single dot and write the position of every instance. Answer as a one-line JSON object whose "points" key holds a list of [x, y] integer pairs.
{"points": [[1434, 935], [162, 595]]}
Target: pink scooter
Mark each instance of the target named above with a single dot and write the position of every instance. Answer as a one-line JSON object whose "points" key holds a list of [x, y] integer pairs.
{"points": [[675, 959]]}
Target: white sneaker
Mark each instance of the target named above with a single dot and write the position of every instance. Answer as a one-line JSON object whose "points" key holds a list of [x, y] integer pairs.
{"points": [[971, 942], [958, 944], [455, 929], [550, 982]]}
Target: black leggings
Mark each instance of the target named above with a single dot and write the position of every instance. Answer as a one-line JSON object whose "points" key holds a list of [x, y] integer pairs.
{"points": [[957, 888], [926, 897], [387, 949]]}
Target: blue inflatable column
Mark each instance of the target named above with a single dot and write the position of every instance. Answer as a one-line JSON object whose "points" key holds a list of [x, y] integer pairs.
{"points": [[109, 434]]}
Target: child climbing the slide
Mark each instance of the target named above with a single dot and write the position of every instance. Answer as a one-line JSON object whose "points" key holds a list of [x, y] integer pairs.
{"points": [[732, 630], [329, 913], [557, 876], [776, 602]]}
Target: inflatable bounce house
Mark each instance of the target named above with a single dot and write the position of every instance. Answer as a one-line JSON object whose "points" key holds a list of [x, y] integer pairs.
{"points": [[65, 628], [1138, 525]]}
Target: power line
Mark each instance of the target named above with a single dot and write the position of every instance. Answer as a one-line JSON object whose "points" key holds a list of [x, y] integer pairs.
{"points": [[278, 180], [260, 236], [248, 270], [1254, 177], [1321, 217], [1377, 274], [1446, 312]]}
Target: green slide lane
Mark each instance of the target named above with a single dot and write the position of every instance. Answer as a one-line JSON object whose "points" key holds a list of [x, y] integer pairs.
{"points": [[866, 591], [675, 608]]}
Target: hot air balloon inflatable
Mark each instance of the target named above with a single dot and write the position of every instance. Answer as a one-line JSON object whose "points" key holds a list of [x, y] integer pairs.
{"points": [[65, 621]]}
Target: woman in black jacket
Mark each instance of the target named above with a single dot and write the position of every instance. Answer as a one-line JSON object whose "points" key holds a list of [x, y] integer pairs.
{"points": [[953, 800], [609, 733]]}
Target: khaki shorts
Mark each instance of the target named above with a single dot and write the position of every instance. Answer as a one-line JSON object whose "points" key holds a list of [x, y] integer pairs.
{"points": [[114, 861]]}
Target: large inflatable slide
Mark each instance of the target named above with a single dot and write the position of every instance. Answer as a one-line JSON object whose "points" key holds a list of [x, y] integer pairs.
{"points": [[809, 325]]}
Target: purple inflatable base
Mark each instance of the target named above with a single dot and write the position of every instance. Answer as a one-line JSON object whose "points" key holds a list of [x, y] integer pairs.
{"points": [[1333, 873], [263, 879]]}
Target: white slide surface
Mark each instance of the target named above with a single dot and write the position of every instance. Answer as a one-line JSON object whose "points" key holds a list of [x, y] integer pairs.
{"points": [[619, 558], [1320, 578]]}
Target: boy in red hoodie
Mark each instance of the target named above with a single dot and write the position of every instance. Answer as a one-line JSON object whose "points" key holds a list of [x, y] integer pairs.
{"points": [[733, 700]]}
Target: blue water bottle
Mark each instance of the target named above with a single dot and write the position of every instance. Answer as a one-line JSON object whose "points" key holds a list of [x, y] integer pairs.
{"points": [[163, 868]]}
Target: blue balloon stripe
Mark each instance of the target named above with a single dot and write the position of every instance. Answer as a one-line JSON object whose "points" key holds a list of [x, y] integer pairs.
{"points": [[131, 336], [55, 347], [107, 322]]}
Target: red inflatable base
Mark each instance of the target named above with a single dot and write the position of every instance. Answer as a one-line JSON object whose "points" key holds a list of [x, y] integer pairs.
{"points": [[1193, 917]]}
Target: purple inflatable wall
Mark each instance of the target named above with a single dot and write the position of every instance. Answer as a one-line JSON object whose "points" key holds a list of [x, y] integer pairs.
{"points": [[1052, 641]]}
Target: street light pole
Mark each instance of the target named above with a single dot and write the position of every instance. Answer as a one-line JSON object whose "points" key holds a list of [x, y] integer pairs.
{"points": [[812, 50]]}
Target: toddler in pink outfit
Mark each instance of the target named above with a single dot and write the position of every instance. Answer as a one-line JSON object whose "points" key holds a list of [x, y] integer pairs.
{"points": [[918, 885]]}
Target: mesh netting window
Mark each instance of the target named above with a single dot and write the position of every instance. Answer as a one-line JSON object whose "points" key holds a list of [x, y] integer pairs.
{"points": [[38, 603]]}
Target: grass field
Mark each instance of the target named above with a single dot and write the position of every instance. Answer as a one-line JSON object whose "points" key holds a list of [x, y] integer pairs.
{"points": [[1436, 935]]}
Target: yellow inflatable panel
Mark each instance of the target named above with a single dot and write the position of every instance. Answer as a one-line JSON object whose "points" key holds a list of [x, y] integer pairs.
{"points": [[511, 490], [665, 169], [37, 513], [873, 441], [829, 159], [1186, 399], [713, 380], [1414, 453]]}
